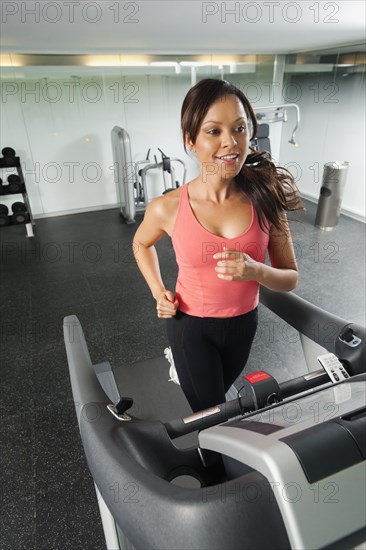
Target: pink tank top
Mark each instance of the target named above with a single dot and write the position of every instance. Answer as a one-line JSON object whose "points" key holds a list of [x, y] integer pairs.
{"points": [[199, 291]]}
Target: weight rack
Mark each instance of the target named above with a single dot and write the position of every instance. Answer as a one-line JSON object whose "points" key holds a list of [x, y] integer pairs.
{"points": [[10, 160]]}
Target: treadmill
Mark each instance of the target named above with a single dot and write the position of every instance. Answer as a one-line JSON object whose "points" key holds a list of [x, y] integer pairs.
{"points": [[278, 466]]}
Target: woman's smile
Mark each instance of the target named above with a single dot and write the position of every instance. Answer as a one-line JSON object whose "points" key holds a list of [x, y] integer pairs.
{"points": [[230, 159]]}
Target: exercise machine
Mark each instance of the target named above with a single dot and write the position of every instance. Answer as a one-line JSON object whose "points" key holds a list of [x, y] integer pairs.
{"points": [[131, 178], [166, 166], [280, 466], [124, 173], [140, 198], [269, 114]]}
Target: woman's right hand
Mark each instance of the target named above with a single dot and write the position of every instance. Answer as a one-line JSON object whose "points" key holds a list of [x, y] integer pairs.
{"points": [[166, 305]]}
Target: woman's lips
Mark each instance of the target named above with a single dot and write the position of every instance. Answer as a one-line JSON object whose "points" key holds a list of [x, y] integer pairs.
{"points": [[229, 159]]}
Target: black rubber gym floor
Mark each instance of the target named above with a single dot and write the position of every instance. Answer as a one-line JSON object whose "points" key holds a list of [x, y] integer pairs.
{"points": [[83, 265]]}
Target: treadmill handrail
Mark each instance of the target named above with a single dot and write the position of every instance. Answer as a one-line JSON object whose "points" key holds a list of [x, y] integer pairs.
{"points": [[243, 405], [310, 320]]}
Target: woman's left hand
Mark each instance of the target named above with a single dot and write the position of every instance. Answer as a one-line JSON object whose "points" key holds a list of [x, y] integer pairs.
{"points": [[235, 266]]}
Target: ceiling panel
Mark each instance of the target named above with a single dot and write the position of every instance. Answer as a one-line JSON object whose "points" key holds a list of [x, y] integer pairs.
{"points": [[179, 27]]}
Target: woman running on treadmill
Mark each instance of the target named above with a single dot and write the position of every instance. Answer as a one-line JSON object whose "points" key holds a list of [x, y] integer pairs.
{"points": [[221, 224]]}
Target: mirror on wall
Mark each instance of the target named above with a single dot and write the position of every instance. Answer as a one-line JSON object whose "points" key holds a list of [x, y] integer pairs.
{"points": [[58, 113]]}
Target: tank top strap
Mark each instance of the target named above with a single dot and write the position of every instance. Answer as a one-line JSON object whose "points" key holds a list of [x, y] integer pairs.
{"points": [[183, 214]]}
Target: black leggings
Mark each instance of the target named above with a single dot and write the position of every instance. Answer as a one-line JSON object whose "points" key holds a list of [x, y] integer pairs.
{"points": [[209, 354]]}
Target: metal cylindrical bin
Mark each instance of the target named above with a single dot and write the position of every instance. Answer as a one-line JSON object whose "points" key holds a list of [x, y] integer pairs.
{"points": [[331, 193]]}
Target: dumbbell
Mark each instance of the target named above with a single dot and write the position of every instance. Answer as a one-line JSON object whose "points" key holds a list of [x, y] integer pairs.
{"points": [[15, 183], [4, 218], [19, 213], [18, 207], [8, 154]]}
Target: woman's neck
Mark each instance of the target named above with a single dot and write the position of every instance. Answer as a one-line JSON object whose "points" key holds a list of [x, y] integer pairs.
{"points": [[213, 190]]}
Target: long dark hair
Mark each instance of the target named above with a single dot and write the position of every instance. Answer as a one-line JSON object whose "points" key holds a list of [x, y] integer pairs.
{"points": [[271, 189]]}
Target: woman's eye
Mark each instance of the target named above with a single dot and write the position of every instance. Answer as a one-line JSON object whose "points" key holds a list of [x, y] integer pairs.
{"points": [[242, 128]]}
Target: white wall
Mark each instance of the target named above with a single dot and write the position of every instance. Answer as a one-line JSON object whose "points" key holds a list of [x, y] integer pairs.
{"points": [[65, 145], [332, 128], [60, 128]]}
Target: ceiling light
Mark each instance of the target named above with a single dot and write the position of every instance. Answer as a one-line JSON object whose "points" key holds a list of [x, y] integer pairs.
{"points": [[164, 63], [8, 60], [194, 64]]}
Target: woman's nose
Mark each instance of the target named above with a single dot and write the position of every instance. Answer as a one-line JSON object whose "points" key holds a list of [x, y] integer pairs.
{"points": [[228, 139]]}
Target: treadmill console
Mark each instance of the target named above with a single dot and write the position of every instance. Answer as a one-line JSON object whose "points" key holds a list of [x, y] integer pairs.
{"points": [[312, 450]]}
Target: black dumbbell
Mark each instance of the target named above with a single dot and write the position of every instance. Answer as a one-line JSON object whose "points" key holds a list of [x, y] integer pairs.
{"points": [[8, 152], [19, 217], [4, 218], [18, 207], [19, 213], [9, 155], [15, 183]]}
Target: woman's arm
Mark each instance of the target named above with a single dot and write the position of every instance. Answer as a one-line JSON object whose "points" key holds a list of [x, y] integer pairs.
{"points": [[281, 275], [149, 232]]}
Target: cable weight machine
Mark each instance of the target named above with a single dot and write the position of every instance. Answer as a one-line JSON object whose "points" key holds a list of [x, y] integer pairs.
{"points": [[132, 177]]}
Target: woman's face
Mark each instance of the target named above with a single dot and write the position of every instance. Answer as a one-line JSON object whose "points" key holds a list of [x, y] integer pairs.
{"points": [[222, 142]]}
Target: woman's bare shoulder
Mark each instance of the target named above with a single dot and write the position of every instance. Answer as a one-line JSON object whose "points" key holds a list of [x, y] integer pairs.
{"points": [[165, 208], [167, 202]]}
